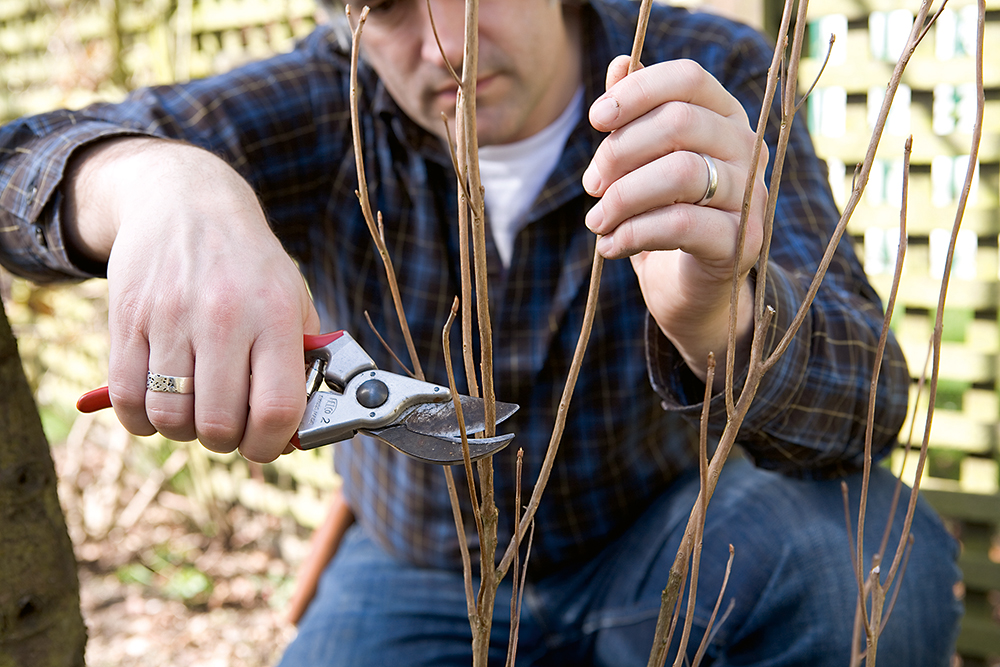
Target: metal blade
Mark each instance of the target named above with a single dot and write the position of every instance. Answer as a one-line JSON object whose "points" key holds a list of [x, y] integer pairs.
{"points": [[434, 449], [438, 420]]}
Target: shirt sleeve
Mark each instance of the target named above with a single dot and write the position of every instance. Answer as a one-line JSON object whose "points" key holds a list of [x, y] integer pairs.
{"points": [[810, 412], [263, 119]]}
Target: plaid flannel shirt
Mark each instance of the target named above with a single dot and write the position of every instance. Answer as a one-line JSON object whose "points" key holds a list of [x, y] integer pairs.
{"points": [[284, 124]]}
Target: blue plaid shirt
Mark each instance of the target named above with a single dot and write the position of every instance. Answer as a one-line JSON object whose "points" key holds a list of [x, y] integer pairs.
{"points": [[284, 124]]}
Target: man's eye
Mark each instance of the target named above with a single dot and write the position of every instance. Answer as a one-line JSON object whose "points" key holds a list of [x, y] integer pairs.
{"points": [[383, 7]]}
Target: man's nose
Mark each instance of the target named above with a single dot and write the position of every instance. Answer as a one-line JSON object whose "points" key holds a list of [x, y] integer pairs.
{"points": [[449, 19]]}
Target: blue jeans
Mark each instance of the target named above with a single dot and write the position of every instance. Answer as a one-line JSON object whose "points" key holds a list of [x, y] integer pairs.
{"points": [[790, 600]]}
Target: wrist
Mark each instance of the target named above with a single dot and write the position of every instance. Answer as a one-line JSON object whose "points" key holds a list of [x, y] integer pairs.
{"points": [[711, 334], [92, 177]]}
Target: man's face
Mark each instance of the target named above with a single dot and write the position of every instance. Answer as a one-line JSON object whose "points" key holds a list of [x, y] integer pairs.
{"points": [[529, 62]]}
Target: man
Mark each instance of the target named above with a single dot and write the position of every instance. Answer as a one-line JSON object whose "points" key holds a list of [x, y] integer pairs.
{"points": [[200, 286]]}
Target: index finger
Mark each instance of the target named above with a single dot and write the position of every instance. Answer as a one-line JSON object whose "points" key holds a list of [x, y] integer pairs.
{"points": [[673, 81]]}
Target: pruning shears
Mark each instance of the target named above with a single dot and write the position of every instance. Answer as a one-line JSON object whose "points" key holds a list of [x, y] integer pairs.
{"points": [[417, 418]]}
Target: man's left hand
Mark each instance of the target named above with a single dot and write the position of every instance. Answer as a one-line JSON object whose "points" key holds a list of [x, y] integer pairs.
{"points": [[667, 123]]}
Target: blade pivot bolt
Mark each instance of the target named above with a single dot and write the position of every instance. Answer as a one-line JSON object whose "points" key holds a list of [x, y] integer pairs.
{"points": [[373, 393]]}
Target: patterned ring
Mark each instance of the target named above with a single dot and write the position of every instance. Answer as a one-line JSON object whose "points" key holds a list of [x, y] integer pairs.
{"points": [[713, 180], [169, 384]]}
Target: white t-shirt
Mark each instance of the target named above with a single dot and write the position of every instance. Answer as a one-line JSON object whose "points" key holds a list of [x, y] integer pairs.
{"points": [[514, 174]]}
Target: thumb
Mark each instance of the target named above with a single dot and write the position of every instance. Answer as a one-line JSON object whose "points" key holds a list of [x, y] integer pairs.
{"points": [[617, 70]]}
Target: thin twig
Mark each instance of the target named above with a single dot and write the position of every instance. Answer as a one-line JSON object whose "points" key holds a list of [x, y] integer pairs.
{"points": [[748, 194], [459, 414], [454, 155], [826, 61], [897, 492], [464, 260], [563, 409], [640, 35], [977, 132], [470, 595], [899, 582], [678, 570], [860, 182], [444, 56], [515, 610], [699, 534], [933, 20], [589, 314], [784, 134], [862, 589], [468, 150], [703, 646], [362, 194], [385, 345], [873, 388], [468, 145]]}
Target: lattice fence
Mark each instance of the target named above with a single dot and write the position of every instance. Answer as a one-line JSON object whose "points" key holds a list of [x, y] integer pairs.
{"points": [[69, 52]]}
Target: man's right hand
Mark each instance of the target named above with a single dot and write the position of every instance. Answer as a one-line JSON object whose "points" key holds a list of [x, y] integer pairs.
{"points": [[199, 286]]}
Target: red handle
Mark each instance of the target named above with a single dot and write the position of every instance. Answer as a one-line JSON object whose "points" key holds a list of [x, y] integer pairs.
{"points": [[95, 400], [311, 342], [99, 399]]}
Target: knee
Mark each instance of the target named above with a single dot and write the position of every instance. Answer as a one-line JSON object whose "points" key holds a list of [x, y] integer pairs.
{"points": [[794, 567]]}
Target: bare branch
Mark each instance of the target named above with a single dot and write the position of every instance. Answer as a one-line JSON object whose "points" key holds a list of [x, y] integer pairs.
{"points": [[748, 193], [456, 511], [718, 603], [385, 345], [515, 608], [456, 401], [933, 20], [899, 582], [640, 35], [897, 492], [590, 310], [977, 133], [444, 57], [699, 533], [819, 75], [363, 195], [861, 182], [563, 409], [454, 157], [876, 370]]}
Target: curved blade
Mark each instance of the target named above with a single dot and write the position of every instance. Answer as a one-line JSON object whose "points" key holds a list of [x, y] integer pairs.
{"points": [[434, 449], [438, 420]]}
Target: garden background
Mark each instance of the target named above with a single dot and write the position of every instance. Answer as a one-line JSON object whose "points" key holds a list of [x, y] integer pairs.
{"points": [[188, 557]]}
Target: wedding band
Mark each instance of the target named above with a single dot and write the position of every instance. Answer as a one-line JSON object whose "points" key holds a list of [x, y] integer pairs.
{"points": [[713, 180], [169, 384]]}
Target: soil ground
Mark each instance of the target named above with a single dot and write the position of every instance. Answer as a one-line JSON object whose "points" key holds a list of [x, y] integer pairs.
{"points": [[166, 593]]}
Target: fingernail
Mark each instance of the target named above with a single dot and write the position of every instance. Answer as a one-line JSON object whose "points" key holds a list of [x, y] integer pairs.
{"points": [[605, 244], [592, 180], [595, 217], [605, 110]]}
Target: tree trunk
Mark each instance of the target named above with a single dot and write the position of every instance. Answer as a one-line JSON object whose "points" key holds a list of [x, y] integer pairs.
{"points": [[40, 620]]}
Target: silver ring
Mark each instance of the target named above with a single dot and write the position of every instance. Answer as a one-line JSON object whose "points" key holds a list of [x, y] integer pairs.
{"points": [[713, 180], [169, 384]]}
